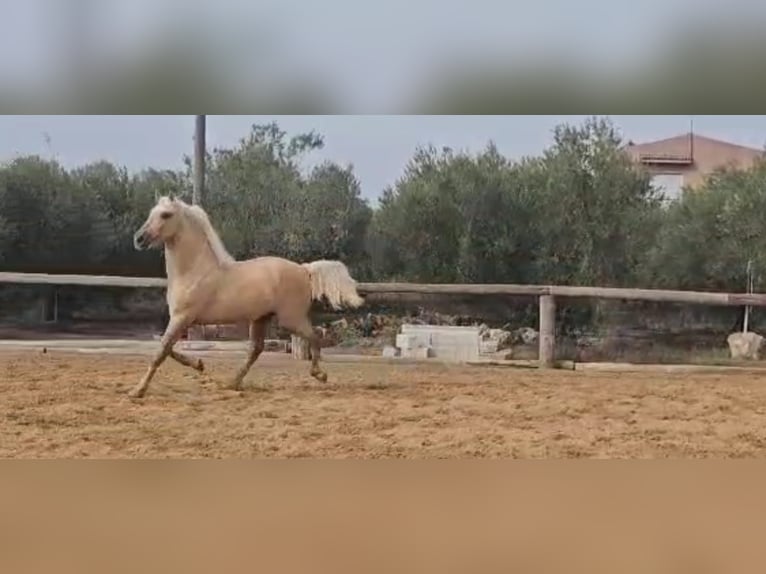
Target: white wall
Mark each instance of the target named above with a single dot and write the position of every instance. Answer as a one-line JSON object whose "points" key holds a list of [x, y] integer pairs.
{"points": [[669, 184]]}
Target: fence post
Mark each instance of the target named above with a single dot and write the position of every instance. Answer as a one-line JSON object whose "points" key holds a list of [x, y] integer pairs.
{"points": [[300, 348], [547, 337]]}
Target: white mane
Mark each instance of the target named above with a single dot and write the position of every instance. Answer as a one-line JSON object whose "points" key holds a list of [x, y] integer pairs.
{"points": [[198, 216]]}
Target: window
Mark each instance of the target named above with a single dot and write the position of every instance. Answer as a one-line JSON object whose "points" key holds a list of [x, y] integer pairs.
{"points": [[669, 184]]}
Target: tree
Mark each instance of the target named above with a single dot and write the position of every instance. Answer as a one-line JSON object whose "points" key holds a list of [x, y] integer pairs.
{"points": [[711, 233], [254, 189], [417, 229], [51, 221], [499, 237], [598, 212], [333, 219]]}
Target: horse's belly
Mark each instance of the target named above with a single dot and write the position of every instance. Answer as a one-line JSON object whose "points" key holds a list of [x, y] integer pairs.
{"points": [[232, 305]]}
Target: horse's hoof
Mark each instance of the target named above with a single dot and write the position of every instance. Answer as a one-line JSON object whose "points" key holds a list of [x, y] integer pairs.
{"points": [[233, 386], [200, 366], [321, 376], [137, 393]]}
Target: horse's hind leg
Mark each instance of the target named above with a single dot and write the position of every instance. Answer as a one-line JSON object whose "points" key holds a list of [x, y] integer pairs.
{"points": [[187, 361], [257, 343], [303, 328]]}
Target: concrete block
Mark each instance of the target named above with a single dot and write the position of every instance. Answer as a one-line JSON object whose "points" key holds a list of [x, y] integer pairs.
{"points": [[406, 341], [197, 345], [488, 347], [275, 346], [421, 332], [411, 328], [452, 344], [417, 353], [391, 352]]}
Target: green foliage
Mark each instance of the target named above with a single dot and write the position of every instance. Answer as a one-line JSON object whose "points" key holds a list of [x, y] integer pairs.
{"points": [[50, 221], [580, 213], [262, 204], [600, 211], [332, 218], [709, 236]]}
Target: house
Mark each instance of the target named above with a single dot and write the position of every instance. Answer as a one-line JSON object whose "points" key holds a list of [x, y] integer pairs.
{"points": [[686, 160]]}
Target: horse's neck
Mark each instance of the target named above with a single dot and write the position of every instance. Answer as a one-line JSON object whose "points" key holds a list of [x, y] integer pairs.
{"points": [[188, 256]]}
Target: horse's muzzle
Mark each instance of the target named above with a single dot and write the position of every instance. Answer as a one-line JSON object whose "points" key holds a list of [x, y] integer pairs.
{"points": [[140, 240]]}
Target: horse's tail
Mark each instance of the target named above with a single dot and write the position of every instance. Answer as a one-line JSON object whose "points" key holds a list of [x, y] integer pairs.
{"points": [[331, 279]]}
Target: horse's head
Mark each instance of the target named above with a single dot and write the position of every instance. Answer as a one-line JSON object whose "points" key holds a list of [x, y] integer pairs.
{"points": [[162, 224]]}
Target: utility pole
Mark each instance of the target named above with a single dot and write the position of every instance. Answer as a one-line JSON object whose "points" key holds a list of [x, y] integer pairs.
{"points": [[691, 137], [199, 161], [750, 287], [198, 194]]}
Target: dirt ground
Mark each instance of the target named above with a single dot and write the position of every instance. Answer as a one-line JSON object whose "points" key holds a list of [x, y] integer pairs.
{"points": [[58, 405]]}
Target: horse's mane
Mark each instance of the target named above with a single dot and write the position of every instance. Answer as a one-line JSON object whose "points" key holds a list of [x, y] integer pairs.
{"points": [[199, 216]]}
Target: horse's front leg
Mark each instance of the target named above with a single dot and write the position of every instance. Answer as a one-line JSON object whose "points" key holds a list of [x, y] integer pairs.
{"points": [[175, 327]]}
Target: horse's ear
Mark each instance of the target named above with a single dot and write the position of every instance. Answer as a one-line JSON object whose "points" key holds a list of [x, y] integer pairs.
{"points": [[156, 196]]}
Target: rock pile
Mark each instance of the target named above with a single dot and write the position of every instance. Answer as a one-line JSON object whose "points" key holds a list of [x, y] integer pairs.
{"points": [[745, 346]]}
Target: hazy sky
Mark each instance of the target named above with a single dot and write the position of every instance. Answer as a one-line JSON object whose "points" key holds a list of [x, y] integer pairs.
{"points": [[377, 146], [371, 52]]}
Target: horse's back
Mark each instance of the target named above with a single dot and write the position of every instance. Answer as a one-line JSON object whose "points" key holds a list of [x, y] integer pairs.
{"points": [[277, 267], [271, 261], [268, 272]]}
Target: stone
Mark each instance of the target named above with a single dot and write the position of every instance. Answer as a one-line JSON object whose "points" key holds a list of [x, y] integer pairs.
{"points": [[745, 345], [527, 335], [340, 324], [501, 337]]}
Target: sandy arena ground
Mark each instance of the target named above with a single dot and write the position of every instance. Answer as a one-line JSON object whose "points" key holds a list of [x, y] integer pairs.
{"points": [[60, 405]]}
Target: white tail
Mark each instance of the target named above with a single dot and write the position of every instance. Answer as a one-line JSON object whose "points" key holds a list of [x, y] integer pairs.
{"points": [[331, 279]]}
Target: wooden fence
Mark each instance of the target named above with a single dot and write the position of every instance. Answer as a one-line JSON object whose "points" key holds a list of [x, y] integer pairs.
{"points": [[547, 295]]}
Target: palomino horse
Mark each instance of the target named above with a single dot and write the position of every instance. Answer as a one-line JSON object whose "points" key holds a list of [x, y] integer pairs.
{"points": [[206, 285]]}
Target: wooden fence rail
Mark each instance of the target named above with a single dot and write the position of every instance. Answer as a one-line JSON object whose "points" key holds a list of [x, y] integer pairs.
{"points": [[546, 294]]}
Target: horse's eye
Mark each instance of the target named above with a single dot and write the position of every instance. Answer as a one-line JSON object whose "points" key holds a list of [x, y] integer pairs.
{"points": [[166, 215]]}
